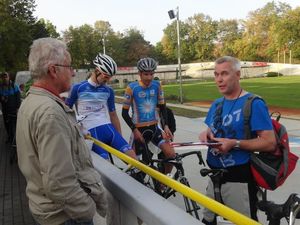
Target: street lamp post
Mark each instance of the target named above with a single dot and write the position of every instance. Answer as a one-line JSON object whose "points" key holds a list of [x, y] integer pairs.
{"points": [[172, 16], [103, 42]]}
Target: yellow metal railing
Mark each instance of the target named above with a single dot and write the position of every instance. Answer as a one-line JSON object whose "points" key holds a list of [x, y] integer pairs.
{"points": [[207, 202]]}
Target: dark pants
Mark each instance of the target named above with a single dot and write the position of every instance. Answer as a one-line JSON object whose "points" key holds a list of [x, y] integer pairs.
{"points": [[10, 126], [5, 120]]}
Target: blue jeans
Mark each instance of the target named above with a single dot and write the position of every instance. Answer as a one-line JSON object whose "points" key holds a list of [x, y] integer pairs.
{"points": [[74, 222]]}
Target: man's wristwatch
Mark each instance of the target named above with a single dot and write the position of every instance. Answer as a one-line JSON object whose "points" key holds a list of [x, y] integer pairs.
{"points": [[237, 144], [133, 127]]}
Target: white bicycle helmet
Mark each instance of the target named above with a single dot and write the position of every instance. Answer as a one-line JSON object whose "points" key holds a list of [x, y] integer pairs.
{"points": [[105, 64], [146, 65]]}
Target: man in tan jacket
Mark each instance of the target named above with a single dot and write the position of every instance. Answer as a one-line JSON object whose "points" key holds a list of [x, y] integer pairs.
{"points": [[63, 187]]}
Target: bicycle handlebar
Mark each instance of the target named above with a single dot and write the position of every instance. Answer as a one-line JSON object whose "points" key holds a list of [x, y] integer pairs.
{"points": [[177, 159]]}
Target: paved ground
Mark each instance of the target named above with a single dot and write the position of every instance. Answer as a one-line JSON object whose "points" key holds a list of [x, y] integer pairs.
{"points": [[13, 201], [14, 205]]}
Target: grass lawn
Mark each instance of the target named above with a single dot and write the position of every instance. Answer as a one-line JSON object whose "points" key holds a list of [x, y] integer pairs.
{"points": [[277, 91]]}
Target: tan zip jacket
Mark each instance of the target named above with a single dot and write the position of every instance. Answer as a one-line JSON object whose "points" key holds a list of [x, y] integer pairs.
{"points": [[62, 183]]}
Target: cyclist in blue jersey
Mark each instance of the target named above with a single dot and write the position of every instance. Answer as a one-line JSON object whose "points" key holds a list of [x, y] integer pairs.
{"points": [[144, 96], [95, 104], [226, 125]]}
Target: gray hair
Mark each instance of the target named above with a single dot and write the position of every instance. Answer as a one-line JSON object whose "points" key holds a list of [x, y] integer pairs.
{"points": [[235, 63], [44, 52]]}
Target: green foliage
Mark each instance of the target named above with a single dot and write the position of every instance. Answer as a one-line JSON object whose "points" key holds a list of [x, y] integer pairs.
{"points": [[85, 42], [82, 45], [18, 28], [274, 74], [171, 97], [203, 33], [228, 33]]}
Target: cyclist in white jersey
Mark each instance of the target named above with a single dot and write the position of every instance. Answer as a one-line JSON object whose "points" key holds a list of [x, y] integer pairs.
{"points": [[95, 103]]}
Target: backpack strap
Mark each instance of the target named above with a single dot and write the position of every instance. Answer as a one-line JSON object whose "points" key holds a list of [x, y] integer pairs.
{"points": [[247, 110], [218, 117]]}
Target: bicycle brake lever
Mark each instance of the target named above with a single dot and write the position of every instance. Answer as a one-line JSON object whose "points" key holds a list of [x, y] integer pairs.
{"points": [[201, 161]]}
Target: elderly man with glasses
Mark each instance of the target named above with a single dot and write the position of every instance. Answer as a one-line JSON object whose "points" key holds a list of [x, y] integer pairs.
{"points": [[63, 186]]}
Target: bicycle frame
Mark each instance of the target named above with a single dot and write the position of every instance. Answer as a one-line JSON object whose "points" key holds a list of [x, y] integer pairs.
{"points": [[191, 206]]}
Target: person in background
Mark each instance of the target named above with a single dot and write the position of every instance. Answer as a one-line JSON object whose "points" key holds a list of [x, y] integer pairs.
{"points": [[63, 187], [10, 98], [226, 125], [95, 104], [144, 96]]}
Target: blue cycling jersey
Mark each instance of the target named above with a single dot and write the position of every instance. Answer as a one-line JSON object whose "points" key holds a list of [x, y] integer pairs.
{"points": [[233, 128], [92, 101], [143, 101]]}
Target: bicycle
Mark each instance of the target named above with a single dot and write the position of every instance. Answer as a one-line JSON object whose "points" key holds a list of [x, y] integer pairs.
{"points": [[191, 206], [216, 176], [290, 210]]}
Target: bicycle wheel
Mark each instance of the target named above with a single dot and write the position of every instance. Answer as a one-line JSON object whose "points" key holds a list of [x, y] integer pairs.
{"points": [[191, 206]]}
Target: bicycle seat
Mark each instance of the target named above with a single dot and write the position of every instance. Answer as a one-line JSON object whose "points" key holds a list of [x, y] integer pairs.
{"points": [[212, 172]]}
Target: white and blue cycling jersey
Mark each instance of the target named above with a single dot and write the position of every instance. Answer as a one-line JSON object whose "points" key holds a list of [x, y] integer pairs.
{"points": [[93, 103]]}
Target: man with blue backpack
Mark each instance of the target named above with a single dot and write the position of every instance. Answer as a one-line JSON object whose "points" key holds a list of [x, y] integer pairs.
{"points": [[225, 123]]}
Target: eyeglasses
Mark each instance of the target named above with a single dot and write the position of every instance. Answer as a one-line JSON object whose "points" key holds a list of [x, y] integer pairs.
{"points": [[66, 66]]}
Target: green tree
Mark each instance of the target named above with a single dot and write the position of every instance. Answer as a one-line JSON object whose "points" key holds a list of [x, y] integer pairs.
{"points": [[169, 44], [158, 54], [104, 32], [18, 28], [259, 40], [228, 33], [16, 19], [135, 47], [287, 33], [83, 45], [202, 35], [51, 29]]}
